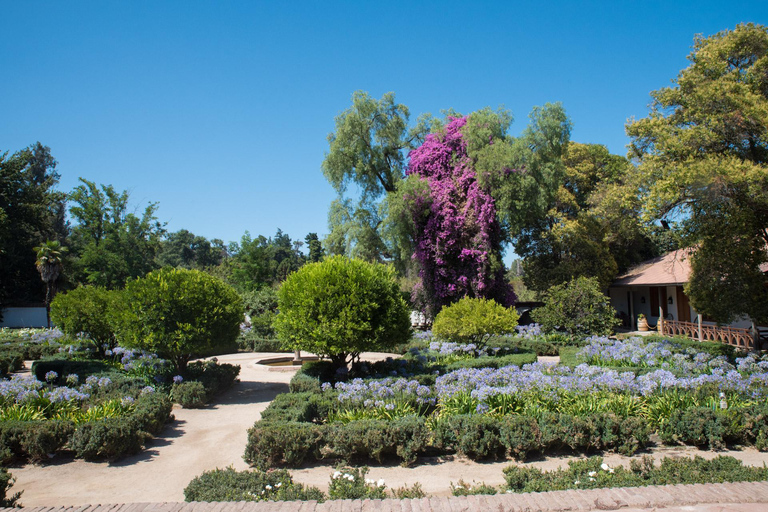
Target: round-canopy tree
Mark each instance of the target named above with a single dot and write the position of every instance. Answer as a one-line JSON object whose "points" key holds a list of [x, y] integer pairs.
{"points": [[474, 321], [180, 313], [89, 310], [577, 307], [339, 307]]}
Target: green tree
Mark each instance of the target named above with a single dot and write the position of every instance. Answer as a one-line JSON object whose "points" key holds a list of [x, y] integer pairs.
{"points": [[179, 313], [577, 307], [315, 247], [186, 250], [368, 149], [31, 212], [475, 321], [339, 308], [112, 245], [703, 160], [49, 264], [91, 311]]}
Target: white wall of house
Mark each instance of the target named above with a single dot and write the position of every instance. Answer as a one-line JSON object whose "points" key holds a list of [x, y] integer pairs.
{"points": [[24, 317]]}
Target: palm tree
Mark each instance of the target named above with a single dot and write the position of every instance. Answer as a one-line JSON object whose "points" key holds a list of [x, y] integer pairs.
{"points": [[49, 263]]}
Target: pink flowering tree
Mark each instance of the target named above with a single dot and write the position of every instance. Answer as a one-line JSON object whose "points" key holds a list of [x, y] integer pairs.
{"points": [[457, 238]]}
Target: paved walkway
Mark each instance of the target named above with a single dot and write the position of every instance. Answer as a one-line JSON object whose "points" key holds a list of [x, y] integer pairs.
{"points": [[732, 497]]}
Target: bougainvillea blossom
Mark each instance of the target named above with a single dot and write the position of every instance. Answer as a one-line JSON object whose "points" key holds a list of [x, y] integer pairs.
{"points": [[457, 235]]}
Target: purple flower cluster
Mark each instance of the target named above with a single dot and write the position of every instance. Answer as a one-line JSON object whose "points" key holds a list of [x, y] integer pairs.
{"points": [[378, 393], [664, 354], [20, 389], [458, 241], [552, 380], [528, 331]]}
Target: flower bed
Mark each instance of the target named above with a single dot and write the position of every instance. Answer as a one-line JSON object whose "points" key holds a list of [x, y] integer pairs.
{"points": [[698, 398], [97, 408]]}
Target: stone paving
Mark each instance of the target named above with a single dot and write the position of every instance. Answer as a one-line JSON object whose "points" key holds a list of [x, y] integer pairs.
{"points": [[727, 497]]}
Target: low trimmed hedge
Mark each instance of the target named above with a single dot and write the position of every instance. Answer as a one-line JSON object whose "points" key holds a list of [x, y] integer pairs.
{"points": [[203, 381], [280, 443], [592, 473], [10, 361], [230, 485], [109, 438]]}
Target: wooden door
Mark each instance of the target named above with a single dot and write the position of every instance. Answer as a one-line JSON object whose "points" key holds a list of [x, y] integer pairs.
{"points": [[683, 307]]}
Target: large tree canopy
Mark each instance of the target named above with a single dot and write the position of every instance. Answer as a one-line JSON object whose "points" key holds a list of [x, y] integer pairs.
{"points": [[31, 212], [456, 234], [703, 153], [368, 150], [112, 245]]}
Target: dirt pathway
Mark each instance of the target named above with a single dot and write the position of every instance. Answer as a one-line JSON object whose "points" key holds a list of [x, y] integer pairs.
{"points": [[215, 437]]}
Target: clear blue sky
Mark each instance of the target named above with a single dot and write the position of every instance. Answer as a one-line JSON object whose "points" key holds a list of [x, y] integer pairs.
{"points": [[219, 111]]}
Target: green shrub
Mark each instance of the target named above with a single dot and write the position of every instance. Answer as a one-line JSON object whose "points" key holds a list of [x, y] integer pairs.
{"points": [[338, 308], [462, 488], [520, 435], [351, 484], [230, 485], [593, 473], [179, 313], [577, 307], [378, 440], [277, 443], [6, 482], [151, 412], [697, 426], [494, 362], [293, 407], [214, 376], [11, 361], [408, 493], [261, 307], [40, 438], [301, 382], [474, 321], [64, 367], [32, 439], [92, 311], [471, 435], [190, 394], [110, 438]]}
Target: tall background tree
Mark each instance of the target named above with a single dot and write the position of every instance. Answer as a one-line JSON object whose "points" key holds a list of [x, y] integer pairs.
{"points": [[703, 159], [111, 244], [368, 150], [31, 212]]}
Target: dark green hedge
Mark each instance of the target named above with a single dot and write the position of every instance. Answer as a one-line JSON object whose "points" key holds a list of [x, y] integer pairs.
{"points": [[109, 438]]}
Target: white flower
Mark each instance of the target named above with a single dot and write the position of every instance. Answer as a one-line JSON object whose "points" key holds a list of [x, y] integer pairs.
{"points": [[592, 473], [576, 482], [370, 481], [268, 487], [278, 484], [591, 479], [381, 482], [336, 474], [605, 467], [349, 477]]}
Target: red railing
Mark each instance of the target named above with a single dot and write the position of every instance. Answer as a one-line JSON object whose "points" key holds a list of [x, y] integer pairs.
{"points": [[738, 337]]}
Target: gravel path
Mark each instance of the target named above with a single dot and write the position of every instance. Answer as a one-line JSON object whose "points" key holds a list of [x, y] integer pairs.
{"points": [[215, 437]]}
